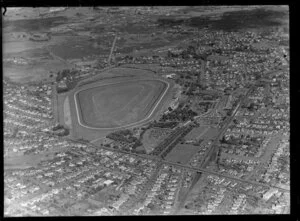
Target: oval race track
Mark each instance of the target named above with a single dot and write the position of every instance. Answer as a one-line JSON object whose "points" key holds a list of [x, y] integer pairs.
{"points": [[144, 120]]}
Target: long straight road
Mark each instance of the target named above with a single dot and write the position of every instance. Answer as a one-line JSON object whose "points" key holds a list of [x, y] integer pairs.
{"points": [[208, 155], [112, 50], [159, 160], [222, 175], [129, 206]]}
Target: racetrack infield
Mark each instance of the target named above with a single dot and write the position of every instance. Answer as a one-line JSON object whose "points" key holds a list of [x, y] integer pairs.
{"points": [[119, 104], [114, 76]]}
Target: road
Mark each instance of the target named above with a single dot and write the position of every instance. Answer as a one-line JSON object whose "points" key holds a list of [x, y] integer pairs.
{"points": [[222, 175], [208, 155], [128, 207], [210, 112], [159, 160], [45, 188], [228, 121], [223, 130], [117, 150], [112, 50]]}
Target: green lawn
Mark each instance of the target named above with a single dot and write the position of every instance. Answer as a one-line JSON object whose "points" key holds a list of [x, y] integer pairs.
{"points": [[182, 153]]}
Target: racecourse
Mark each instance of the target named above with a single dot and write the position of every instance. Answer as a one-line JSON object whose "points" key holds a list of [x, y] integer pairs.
{"points": [[148, 116]]}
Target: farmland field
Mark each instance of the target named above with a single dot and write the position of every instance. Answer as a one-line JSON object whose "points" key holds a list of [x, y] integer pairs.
{"points": [[36, 71], [118, 104], [35, 24], [76, 49]]}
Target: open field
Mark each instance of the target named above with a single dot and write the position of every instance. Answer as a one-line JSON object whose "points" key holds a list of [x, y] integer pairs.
{"points": [[152, 67], [182, 153], [19, 46], [202, 132], [51, 17], [14, 44], [39, 24], [25, 61], [210, 134], [67, 113], [77, 48], [119, 104], [111, 75], [30, 54], [31, 160], [61, 108], [39, 70], [229, 19], [197, 133]]}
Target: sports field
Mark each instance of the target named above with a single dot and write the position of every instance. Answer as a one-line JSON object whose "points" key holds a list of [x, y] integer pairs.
{"points": [[118, 104], [197, 133], [182, 153]]}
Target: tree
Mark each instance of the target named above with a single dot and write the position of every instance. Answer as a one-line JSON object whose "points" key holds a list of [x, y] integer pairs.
{"points": [[251, 107], [191, 49], [169, 54]]}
